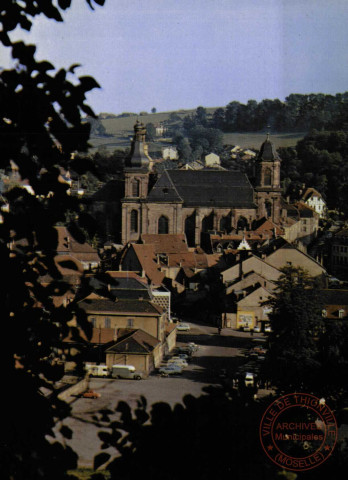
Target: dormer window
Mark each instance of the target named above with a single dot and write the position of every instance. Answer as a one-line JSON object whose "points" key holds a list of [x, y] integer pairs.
{"points": [[340, 313], [324, 313]]}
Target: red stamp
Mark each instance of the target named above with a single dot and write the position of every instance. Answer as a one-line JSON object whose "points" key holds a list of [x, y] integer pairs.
{"points": [[298, 431]]}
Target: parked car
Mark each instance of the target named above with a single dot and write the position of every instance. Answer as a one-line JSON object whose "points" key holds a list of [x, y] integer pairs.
{"points": [[246, 328], [259, 350], [170, 370], [178, 361], [249, 379], [194, 346], [257, 329], [184, 356], [90, 394], [183, 327], [268, 329]]}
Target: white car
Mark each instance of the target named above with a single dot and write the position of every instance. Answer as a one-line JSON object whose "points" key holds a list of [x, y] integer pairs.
{"points": [[178, 361], [257, 329], [268, 329], [249, 379], [183, 327], [170, 370]]}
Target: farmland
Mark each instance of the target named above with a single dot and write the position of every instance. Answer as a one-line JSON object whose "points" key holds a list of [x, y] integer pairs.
{"points": [[120, 133]]}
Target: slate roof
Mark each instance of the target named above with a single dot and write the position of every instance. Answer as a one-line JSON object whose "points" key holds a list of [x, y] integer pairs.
{"points": [[334, 297], [98, 304], [204, 188], [122, 287], [136, 342], [268, 152]]}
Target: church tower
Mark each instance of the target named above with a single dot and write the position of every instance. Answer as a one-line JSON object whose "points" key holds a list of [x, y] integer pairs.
{"points": [[137, 171], [268, 189]]}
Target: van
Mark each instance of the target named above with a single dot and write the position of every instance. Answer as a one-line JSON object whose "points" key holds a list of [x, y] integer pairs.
{"points": [[97, 370], [125, 371], [249, 379]]}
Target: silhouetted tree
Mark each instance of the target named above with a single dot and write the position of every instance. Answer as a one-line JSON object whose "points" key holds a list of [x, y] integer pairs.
{"points": [[40, 125]]}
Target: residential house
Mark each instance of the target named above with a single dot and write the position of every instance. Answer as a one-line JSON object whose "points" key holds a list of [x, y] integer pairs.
{"points": [[103, 312], [335, 304], [136, 348], [249, 308], [70, 247], [315, 200]]}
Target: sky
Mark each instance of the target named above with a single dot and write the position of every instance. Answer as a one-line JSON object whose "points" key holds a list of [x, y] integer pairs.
{"points": [[180, 54]]}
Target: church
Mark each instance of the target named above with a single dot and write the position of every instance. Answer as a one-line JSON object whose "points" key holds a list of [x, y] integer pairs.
{"points": [[193, 202]]}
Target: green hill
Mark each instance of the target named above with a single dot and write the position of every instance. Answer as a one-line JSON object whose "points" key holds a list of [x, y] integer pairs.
{"points": [[120, 133]]}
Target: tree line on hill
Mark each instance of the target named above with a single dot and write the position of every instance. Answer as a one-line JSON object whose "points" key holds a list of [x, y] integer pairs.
{"points": [[298, 113]]}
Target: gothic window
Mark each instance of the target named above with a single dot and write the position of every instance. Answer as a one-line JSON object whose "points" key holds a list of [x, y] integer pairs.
{"points": [[163, 224], [130, 322], [225, 224], [135, 188], [267, 179], [107, 322], [134, 221]]}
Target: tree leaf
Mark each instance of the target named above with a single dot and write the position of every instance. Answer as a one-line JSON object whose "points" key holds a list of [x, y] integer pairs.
{"points": [[100, 459]]}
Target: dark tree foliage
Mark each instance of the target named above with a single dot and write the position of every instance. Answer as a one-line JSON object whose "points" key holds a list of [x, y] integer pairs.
{"points": [[306, 352], [298, 113], [319, 161], [213, 436], [40, 125]]}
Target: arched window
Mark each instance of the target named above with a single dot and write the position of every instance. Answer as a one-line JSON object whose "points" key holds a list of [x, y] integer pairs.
{"points": [[135, 188], [134, 221], [225, 223], [267, 179], [163, 224]]}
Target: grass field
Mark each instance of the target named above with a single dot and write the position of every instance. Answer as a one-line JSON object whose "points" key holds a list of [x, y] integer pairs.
{"points": [[121, 131]]}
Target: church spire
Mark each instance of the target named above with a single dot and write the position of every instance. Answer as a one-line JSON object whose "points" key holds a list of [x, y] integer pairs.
{"points": [[138, 157]]}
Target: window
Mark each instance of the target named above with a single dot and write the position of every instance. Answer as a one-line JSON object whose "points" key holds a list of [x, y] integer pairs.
{"points": [[163, 225], [134, 221], [130, 322], [324, 313], [135, 188], [340, 313], [94, 322], [268, 176], [107, 322]]}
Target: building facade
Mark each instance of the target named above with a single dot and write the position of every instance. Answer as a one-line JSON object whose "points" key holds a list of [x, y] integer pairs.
{"points": [[194, 202]]}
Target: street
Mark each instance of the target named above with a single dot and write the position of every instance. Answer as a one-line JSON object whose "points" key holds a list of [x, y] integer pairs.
{"points": [[215, 352]]}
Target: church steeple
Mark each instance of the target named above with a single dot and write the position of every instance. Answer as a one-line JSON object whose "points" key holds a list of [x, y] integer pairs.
{"points": [[268, 188], [138, 157]]}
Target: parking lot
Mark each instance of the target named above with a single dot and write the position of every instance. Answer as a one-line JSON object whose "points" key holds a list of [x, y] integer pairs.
{"points": [[215, 352]]}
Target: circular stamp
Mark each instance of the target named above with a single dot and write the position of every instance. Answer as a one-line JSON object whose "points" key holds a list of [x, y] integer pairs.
{"points": [[298, 431]]}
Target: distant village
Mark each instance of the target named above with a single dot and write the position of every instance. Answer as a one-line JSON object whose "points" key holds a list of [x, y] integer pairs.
{"points": [[179, 237]]}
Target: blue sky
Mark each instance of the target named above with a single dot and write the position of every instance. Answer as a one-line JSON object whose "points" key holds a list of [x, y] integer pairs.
{"points": [[173, 54]]}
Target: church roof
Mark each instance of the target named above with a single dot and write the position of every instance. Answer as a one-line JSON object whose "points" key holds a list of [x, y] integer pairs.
{"points": [[138, 157], [268, 151], [212, 188]]}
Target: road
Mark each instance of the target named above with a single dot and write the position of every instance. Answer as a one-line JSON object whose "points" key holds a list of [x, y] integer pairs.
{"points": [[215, 352]]}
